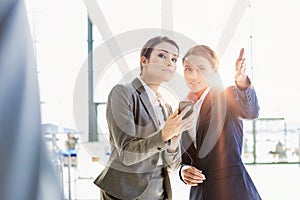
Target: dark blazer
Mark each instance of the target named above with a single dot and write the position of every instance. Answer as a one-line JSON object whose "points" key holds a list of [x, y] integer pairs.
{"points": [[226, 176], [136, 144]]}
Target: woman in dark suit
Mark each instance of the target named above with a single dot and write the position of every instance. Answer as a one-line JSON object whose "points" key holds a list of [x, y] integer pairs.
{"points": [[211, 160]]}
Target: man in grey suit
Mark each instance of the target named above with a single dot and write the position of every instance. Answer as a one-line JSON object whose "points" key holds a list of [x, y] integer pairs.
{"points": [[144, 147]]}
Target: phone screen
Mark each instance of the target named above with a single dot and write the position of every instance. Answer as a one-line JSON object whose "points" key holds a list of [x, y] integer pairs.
{"points": [[183, 105]]}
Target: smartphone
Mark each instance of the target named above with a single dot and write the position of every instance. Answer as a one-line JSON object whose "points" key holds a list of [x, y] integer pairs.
{"points": [[183, 105]]}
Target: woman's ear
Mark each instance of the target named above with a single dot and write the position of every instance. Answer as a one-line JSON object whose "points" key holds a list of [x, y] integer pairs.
{"points": [[144, 60]]}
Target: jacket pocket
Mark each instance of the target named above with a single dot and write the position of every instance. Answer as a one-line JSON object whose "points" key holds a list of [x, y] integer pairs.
{"points": [[228, 171]]}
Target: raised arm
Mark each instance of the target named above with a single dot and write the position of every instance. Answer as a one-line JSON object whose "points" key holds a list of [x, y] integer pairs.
{"points": [[243, 97], [241, 79]]}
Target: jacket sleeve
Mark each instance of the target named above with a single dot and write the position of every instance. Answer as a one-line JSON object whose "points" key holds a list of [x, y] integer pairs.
{"points": [[244, 103], [130, 147], [172, 160], [185, 160]]}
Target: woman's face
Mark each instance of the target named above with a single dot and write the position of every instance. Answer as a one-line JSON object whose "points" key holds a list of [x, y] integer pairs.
{"points": [[161, 65], [197, 72]]}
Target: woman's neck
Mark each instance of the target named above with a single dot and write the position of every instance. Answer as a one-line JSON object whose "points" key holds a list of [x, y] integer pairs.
{"points": [[151, 84], [194, 96]]}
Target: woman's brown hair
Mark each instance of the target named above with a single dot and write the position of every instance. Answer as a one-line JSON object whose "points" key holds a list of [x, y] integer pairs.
{"points": [[150, 44], [206, 52]]}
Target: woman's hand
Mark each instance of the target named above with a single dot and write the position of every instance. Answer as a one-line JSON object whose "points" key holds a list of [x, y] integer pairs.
{"points": [[240, 77], [192, 176], [175, 125]]}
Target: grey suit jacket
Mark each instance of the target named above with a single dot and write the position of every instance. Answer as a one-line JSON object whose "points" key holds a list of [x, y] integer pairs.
{"points": [[136, 144]]}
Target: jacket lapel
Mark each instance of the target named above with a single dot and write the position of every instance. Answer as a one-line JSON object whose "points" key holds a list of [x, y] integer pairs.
{"points": [[138, 86], [203, 122], [188, 145], [211, 122]]}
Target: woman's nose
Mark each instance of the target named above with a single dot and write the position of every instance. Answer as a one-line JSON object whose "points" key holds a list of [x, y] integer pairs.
{"points": [[194, 75], [169, 62]]}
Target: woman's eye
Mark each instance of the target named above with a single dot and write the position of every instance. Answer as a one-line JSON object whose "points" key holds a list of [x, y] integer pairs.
{"points": [[174, 60], [201, 69], [187, 69], [161, 55]]}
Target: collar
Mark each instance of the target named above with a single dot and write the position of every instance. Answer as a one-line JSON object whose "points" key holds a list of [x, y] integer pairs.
{"points": [[153, 97]]}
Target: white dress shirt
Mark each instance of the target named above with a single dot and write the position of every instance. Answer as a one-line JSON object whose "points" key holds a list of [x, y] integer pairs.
{"points": [[156, 100], [197, 106]]}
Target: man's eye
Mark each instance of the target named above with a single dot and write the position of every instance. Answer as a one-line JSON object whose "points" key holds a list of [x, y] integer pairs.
{"points": [[174, 60]]}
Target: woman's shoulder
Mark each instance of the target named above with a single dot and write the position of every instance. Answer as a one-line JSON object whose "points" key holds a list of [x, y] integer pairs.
{"points": [[127, 87], [127, 90], [120, 90], [230, 88]]}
